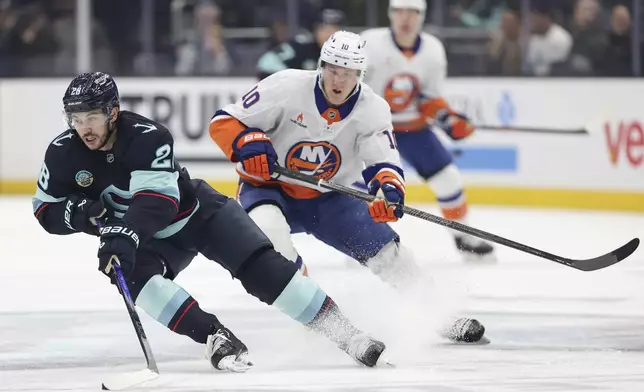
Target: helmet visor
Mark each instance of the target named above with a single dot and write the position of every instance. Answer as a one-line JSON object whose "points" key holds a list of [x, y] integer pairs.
{"points": [[342, 75], [92, 119]]}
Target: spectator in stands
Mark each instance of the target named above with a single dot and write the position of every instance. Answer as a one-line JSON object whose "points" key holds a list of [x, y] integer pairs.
{"points": [[26, 41], [549, 43], [63, 15], [589, 38], [10, 41], [304, 50], [505, 50], [618, 56], [204, 51]]}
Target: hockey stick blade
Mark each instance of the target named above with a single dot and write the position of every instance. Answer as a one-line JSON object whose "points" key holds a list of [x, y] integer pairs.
{"points": [[128, 380], [606, 260], [582, 265], [123, 381]]}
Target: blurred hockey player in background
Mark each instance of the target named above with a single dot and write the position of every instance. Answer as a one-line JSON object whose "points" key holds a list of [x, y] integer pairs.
{"points": [[407, 67], [112, 174], [326, 123], [304, 50]]}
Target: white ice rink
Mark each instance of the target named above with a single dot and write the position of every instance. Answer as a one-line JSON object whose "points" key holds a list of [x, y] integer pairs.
{"points": [[64, 328]]}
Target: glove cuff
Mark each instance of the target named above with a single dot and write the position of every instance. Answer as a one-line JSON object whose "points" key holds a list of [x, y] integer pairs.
{"points": [[249, 135], [387, 176]]}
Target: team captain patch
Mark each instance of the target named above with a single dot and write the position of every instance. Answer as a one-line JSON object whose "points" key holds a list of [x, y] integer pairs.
{"points": [[84, 178]]}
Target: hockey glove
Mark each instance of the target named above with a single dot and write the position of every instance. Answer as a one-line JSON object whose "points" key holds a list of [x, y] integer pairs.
{"points": [[83, 214], [120, 241], [256, 153], [389, 188], [456, 125]]}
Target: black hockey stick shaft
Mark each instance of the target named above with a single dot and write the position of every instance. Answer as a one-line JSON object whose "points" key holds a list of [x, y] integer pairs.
{"points": [[134, 316], [583, 265], [546, 130]]}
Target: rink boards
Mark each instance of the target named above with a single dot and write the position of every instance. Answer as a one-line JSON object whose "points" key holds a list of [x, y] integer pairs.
{"points": [[601, 170]]}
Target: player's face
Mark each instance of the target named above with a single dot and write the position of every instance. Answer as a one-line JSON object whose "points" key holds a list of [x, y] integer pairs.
{"points": [[405, 21], [338, 82], [91, 127]]}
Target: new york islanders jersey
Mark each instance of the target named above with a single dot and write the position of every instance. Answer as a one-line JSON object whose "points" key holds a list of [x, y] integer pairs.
{"points": [[410, 80], [309, 135]]}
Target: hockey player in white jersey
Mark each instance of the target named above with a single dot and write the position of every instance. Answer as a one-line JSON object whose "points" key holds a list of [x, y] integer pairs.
{"points": [[407, 67], [326, 123]]}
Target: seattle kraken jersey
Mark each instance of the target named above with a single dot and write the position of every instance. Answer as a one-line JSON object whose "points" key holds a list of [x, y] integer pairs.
{"points": [[138, 179]]}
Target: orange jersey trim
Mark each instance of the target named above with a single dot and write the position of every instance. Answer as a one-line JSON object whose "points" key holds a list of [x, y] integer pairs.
{"points": [[429, 108], [224, 131], [411, 126]]}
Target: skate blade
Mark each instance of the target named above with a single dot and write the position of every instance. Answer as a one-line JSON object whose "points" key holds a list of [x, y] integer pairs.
{"points": [[385, 360]]}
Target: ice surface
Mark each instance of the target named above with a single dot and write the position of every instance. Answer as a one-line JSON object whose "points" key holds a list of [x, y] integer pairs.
{"points": [[64, 328]]}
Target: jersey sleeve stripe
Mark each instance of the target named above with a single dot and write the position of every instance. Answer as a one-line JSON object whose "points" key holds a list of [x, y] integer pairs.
{"points": [[219, 115], [41, 199], [224, 130], [154, 194], [40, 208], [161, 182], [431, 107]]}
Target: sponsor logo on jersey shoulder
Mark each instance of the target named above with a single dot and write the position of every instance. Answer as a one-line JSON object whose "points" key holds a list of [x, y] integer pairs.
{"points": [[320, 159], [299, 121], [84, 178]]}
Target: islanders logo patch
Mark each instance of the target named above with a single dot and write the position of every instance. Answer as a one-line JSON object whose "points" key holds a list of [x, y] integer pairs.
{"points": [[84, 178], [401, 91], [319, 159]]}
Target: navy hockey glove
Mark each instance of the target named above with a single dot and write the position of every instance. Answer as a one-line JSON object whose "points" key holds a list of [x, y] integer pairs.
{"points": [[256, 153], [389, 187], [83, 214], [456, 125], [120, 241]]}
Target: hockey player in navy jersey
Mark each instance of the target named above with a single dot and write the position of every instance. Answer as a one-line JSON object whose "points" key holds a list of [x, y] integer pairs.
{"points": [[113, 175]]}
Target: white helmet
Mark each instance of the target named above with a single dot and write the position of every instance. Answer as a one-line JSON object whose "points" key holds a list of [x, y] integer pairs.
{"points": [[344, 49], [420, 5]]}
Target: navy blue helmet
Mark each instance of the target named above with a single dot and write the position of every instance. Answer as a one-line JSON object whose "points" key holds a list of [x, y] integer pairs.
{"points": [[91, 91]]}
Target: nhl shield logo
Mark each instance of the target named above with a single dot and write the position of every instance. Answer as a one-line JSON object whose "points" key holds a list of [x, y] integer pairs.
{"points": [[84, 178]]}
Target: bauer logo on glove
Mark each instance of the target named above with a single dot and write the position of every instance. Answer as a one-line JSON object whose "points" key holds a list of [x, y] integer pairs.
{"points": [[122, 231]]}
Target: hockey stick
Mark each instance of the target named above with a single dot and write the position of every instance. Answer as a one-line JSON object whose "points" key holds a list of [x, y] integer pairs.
{"points": [[593, 264], [559, 131], [131, 379]]}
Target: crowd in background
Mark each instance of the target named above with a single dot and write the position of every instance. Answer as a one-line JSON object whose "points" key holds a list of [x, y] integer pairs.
{"points": [[229, 37]]}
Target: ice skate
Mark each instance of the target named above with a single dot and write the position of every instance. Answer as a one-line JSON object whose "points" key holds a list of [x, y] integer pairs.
{"points": [[366, 350], [226, 352]]}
